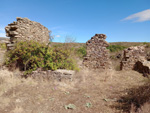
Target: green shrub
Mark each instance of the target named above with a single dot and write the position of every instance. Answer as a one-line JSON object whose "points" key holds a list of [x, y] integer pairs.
{"points": [[29, 56], [116, 48], [81, 51], [74, 50], [144, 43], [2, 45], [147, 44]]}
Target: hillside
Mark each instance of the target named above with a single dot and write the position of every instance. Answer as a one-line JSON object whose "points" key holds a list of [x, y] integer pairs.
{"points": [[2, 38]]}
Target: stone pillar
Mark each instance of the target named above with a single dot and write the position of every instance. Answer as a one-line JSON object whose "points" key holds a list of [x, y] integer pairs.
{"points": [[97, 54]]}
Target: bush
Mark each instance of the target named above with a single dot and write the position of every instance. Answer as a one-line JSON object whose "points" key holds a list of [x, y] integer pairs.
{"points": [[29, 56], [2, 45], [81, 51], [74, 50], [116, 48], [147, 44]]}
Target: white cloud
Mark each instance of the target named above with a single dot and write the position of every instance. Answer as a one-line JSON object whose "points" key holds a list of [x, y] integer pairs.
{"points": [[140, 16], [57, 36]]}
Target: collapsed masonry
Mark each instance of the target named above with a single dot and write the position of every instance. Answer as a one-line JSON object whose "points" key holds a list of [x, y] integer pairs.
{"points": [[131, 55], [60, 74], [148, 56], [134, 58], [97, 54], [143, 67], [24, 30]]}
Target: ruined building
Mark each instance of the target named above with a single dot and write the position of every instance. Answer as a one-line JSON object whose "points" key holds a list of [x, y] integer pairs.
{"points": [[24, 29], [131, 55], [97, 54], [134, 58]]}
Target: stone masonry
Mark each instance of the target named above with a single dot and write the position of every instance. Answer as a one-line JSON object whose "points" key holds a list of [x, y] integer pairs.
{"points": [[143, 67], [134, 58], [97, 54], [60, 74], [24, 29], [132, 55]]}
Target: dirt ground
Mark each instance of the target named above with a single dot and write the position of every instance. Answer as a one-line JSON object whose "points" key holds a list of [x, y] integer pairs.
{"points": [[90, 92], [2, 52]]}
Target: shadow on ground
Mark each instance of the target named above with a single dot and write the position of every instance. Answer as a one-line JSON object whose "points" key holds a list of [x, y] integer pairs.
{"points": [[136, 97]]}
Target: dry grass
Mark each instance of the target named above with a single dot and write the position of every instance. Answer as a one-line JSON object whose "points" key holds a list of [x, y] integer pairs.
{"points": [[137, 99], [107, 91], [2, 52], [100, 88], [128, 44], [144, 109]]}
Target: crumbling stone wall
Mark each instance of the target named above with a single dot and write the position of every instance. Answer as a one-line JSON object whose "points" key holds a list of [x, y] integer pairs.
{"points": [[60, 74], [97, 54], [24, 29], [143, 67], [148, 56], [132, 55]]}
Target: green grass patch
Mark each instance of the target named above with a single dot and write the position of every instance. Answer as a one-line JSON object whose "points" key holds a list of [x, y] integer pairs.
{"points": [[2, 45], [116, 48], [147, 44], [81, 51]]}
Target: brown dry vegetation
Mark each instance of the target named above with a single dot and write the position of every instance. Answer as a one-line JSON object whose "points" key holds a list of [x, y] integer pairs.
{"points": [[2, 53], [106, 91], [90, 91]]}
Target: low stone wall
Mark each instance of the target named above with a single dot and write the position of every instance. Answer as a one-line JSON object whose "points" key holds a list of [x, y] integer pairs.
{"points": [[24, 29], [97, 54], [59, 74], [132, 55]]}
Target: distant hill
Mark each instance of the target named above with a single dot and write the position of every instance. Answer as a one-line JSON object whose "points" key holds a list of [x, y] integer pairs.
{"points": [[126, 44], [3, 38]]}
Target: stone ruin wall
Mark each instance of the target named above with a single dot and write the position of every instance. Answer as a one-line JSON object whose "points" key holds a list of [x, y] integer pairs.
{"points": [[143, 67], [132, 55], [97, 54], [24, 30], [134, 58]]}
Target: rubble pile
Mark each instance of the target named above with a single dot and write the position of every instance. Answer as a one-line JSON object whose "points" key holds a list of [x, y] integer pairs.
{"points": [[59, 74]]}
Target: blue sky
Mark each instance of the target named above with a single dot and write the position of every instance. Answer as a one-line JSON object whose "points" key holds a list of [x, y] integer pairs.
{"points": [[120, 20]]}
